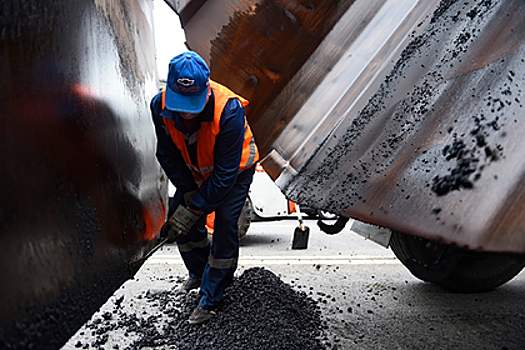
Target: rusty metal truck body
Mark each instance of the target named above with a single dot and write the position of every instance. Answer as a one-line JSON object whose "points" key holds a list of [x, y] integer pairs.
{"points": [[407, 115]]}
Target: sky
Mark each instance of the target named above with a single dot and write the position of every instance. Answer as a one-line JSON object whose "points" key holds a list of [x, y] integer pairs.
{"points": [[169, 36]]}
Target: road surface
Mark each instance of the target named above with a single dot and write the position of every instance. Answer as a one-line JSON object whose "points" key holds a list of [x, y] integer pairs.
{"points": [[367, 298]]}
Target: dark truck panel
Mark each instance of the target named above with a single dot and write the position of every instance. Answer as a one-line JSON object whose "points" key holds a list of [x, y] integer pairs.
{"points": [[82, 194]]}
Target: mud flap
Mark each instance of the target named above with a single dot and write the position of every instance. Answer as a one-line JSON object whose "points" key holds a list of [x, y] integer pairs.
{"points": [[377, 234]]}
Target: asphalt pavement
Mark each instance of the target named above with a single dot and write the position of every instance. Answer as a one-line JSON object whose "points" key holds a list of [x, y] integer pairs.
{"points": [[368, 300]]}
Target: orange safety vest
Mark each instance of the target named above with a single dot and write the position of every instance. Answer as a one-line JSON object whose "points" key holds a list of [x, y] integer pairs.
{"points": [[207, 134]]}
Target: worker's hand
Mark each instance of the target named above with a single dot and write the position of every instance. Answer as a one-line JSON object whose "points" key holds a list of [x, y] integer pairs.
{"points": [[179, 224], [165, 232], [188, 196]]}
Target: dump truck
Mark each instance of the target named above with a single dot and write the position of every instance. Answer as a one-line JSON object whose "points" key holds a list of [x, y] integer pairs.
{"points": [[403, 115]]}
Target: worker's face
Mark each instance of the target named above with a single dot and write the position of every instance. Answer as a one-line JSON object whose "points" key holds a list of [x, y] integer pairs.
{"points": [[189, 116]]}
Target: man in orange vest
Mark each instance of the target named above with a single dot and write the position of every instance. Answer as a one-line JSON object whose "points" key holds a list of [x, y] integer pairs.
{"points": [[208, 152]]}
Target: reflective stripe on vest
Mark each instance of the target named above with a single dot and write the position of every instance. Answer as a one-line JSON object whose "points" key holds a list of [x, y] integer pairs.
{"points": [[207, 134]]}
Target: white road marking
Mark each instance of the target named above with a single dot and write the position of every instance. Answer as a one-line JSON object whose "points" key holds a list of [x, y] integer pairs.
{"points": [[290, 260]]}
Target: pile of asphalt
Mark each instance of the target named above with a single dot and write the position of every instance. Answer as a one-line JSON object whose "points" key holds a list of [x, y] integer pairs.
{"points": [[260, 312]]}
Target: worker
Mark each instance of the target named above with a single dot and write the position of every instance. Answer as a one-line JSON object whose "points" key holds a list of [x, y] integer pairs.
{"points": [[208, 152]]}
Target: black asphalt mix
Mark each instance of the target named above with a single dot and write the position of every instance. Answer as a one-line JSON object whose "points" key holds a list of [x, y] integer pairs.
{"points": [[260, 312]]}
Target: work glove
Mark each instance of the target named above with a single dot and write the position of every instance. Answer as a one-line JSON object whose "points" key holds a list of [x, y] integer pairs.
{"points": [[188, 196], [179, 224]]}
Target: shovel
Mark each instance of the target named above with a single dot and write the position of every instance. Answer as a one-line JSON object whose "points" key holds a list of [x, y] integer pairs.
{"points": [[301, 233], [136, 264]]}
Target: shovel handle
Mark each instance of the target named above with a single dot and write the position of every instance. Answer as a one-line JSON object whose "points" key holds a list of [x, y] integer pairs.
{"points": [[299, 217], [139, 262]]}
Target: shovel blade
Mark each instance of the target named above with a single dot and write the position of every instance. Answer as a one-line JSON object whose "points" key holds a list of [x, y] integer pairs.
{"points": [[300, 238]]}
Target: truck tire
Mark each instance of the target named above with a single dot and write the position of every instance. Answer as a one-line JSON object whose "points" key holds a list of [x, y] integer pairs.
{"points": [[253, 215], [456, 269], [245, 219]]}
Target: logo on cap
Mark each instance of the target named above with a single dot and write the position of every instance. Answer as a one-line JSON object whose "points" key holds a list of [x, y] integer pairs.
{"points": [[186, 84], [185, 81]]}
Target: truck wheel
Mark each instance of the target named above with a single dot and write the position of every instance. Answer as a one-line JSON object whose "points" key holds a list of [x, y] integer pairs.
{"points": [[245, 219], [253, 215], [457, 269]]}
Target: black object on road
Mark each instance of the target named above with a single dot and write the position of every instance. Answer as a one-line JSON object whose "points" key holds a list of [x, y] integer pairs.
{"points": [[301, 233], [335, 228]]}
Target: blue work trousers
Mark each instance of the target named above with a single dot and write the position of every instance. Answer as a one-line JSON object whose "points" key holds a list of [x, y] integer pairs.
{"points": [[215, 262]]}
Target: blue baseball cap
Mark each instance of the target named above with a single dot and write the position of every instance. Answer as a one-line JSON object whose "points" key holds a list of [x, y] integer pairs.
{"points": [[188, 81]]}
